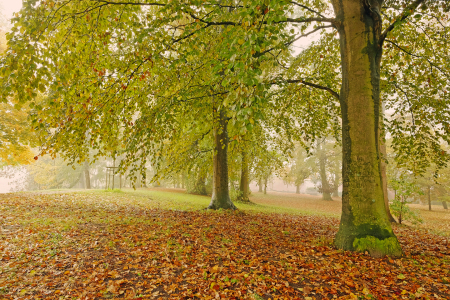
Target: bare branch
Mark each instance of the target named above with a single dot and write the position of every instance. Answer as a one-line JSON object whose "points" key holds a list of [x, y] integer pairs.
{"points": [[294, 40], [308, 20], [131, 3], [406, 13], [307, 8], [419, 56], [317, 86]]}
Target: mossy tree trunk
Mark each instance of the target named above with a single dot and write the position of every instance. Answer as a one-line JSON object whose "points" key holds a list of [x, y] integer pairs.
{"points": [[444, 204], [243, 185], [260, 189], [220, 194], [364, 222]]}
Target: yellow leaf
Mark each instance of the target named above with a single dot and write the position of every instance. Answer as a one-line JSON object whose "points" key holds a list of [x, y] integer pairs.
{"points": [[241, 41]]}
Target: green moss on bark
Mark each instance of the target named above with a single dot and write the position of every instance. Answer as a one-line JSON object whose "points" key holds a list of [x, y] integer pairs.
{"points": [[378, 247]]}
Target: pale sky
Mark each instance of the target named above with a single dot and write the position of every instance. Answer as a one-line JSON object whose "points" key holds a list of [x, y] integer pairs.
{"points": [[8, 7]]}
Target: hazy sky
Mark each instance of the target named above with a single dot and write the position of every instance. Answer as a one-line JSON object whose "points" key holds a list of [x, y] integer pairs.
{"points": [[8, 7]]}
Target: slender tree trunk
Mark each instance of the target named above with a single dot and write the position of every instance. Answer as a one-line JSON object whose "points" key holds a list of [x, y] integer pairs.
{"points": [[337, 171], [183, 179], [265, 185], [260, 189], [220, 194], [429, 197], [444, 204], [383, 166], [87, 178], [297, 189], [113, 173], [326, 195], [243, 186], [364, 222]]}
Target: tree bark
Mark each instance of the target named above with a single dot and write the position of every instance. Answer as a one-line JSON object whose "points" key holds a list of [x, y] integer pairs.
{"points": [[444, 204], [297, 189], [337, 179], [326, 195], [364, 222], [383, 167], [87, 178], [265, 185], [243, 186], [260, 189], [220, 194], [429, 197]]}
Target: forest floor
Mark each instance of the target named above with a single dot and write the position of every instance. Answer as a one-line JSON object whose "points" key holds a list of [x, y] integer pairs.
{"points": [[161, 244]]}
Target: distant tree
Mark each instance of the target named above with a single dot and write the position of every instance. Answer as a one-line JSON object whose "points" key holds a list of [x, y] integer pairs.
{"points": [[302, 167], [405, 189]]}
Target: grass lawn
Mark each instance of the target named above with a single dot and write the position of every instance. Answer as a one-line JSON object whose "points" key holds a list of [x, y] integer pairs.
{"points": [[161, 244]]}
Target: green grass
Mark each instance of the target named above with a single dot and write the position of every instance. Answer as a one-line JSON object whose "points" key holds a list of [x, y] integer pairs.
{"points": [[187, 202]]}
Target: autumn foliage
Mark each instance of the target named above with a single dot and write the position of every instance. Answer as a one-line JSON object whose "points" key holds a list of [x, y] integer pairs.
{"points": [[119, 245]]}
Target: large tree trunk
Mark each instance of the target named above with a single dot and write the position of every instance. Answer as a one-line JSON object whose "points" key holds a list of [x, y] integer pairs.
{"points": [[260, 189], [444, 204], [297, 189], [220, 194], [326, 195], [87, 178], [364, 222], [243, 186]]}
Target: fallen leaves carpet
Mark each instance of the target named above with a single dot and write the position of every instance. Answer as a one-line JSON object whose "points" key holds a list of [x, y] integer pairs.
{"points": [[75, 246]]}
